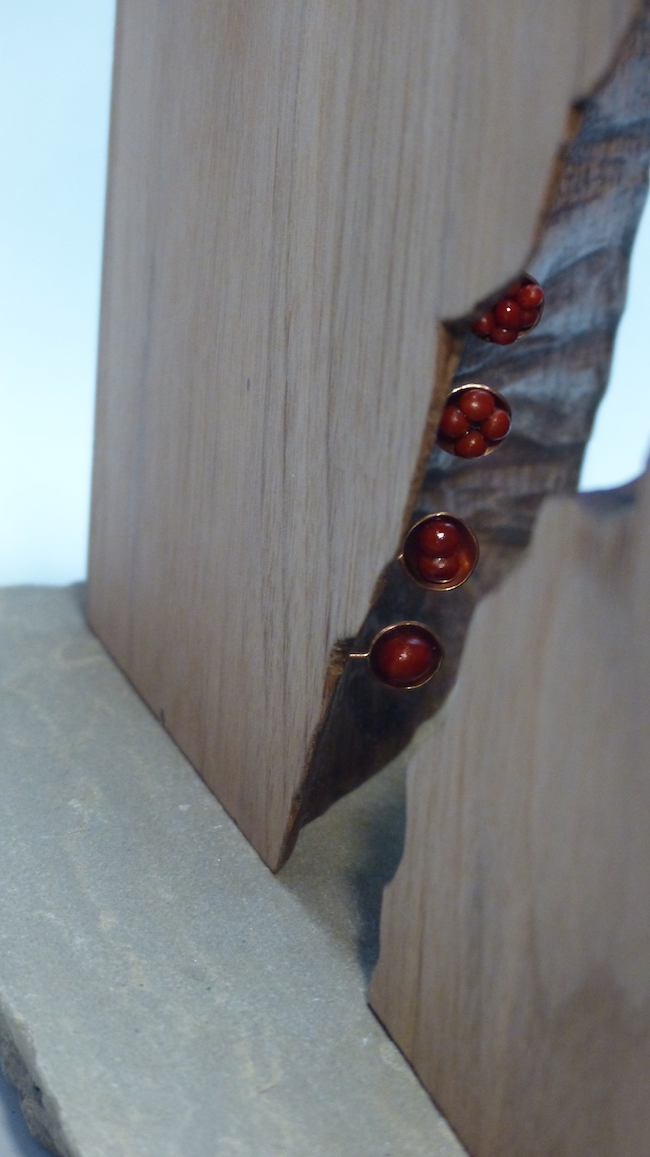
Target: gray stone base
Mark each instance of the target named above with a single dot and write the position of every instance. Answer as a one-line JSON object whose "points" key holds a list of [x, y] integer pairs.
{"points": [[161, 993]]}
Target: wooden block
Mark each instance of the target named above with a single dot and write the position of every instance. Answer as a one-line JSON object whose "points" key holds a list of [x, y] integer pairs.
{"points": [[298, 193], [554, 380], [515, 945]]}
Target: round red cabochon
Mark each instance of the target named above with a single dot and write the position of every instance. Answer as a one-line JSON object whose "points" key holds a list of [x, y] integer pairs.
{"points": [[405, 655]]}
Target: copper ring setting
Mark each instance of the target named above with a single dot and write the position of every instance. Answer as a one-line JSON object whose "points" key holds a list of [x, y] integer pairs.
{"points": [[440, 551]]}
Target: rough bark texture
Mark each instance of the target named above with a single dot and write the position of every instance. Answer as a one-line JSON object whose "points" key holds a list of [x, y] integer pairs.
{"points": [[554, 379]]}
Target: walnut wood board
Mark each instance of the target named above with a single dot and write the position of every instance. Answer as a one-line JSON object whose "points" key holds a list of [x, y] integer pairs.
{"points": [[514, 970], [298, 194], [554, 379]]}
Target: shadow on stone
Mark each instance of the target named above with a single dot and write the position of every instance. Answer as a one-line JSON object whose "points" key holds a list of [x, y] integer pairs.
{"points": [[345, 858]]}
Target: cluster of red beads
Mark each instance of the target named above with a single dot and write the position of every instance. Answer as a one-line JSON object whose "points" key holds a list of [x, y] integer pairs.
{"points": [[516, 313], [440, 552], [437, 552], [406, 655], [473, 423]]}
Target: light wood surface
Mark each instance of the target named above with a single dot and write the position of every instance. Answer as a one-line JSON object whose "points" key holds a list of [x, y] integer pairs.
{"points": [[298, 193], [515, 946]]}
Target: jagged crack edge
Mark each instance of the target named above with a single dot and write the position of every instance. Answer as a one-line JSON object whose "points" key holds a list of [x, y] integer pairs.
{"points": [[39, 1108]]}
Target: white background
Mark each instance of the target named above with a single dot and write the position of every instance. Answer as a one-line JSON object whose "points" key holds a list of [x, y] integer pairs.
{"points": [[620, 442], [54, 96], [54, 100]]}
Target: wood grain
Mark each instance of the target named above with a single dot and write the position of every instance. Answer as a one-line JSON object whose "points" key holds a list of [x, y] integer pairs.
{"points": [[515, 942], [554, 379], [298, 193]]}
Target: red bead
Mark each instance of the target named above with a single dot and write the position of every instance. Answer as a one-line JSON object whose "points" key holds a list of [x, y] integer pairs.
{"points": [[476, 404], [484, 325], [530, 296], [513, 289], [472, 445], [436, 570], [453, 423], [528, 318], [507, 313], [405, 655], [504, 336], [496, 426], [437, 538]]}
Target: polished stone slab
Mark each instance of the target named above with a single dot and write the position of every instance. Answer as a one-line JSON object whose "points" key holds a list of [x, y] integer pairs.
{"points": [[161, 994]]}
